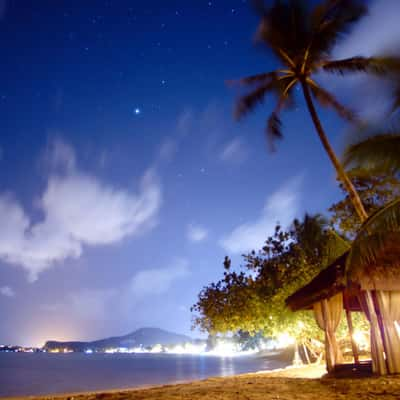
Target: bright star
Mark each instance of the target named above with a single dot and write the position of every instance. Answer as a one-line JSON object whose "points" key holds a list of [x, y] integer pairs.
{"points": [[137, 111]]}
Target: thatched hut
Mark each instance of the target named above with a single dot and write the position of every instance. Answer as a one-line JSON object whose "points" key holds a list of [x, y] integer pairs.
{"points": [[373, 289]]}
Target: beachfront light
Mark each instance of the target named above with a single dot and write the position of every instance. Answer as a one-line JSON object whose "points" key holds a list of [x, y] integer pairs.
{"points": [[224, 349], [285, 340], [187, 348], [361, 338]]}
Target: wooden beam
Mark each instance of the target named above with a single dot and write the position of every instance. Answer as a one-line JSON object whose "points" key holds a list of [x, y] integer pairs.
{"points": [[350, 326]]}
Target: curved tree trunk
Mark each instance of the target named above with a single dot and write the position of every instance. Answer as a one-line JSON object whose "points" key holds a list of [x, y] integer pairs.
{"points": [[355, 198]]}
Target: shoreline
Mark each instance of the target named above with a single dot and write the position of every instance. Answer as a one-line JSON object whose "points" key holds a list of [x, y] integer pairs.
{"points": [[295, 371], [290, 383]]}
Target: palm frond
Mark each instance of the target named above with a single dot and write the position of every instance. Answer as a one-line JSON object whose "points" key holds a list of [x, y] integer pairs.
{"points": [[283, 28], [253, 79], [375, 65], [327, 99], [274, 129], [248, 102], [396, 98], [377, 243], [331, 19], [378, 152], [281, 88], [284, 91]]}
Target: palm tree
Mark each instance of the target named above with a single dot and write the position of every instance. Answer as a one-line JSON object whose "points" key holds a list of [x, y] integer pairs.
{"points": [[379, 152], [377, 243], [302, 38]]}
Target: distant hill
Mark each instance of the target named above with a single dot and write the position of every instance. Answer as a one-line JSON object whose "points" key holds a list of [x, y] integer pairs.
{"points": [[142, 337]]}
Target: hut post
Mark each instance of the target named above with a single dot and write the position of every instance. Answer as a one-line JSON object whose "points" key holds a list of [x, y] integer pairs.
{"points": [[377, 350], [350, 326], [329, 351]]}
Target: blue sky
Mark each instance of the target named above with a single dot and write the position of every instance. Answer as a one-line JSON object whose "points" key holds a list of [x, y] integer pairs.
{"points": [[124, 179]]}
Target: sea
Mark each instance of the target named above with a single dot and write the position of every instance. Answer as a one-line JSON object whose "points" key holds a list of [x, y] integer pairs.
{"points": [[23, 374]]}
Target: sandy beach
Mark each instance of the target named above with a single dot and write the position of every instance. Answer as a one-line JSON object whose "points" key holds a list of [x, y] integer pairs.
{"points": [[293, 383]]}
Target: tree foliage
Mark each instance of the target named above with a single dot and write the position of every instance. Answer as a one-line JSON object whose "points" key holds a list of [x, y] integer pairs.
{"points": [[376, 244], [375, 190], [378, 153], [252, 298]]}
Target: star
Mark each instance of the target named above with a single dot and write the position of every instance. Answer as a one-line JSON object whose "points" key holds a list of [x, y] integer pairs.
{"points": [[137, 111]]}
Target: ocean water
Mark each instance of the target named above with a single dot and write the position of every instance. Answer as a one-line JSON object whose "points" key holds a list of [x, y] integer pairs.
{"points": [[42, 373]]}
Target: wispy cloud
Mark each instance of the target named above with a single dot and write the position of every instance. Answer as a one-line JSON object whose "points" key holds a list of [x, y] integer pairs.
{"points": [[7, 291], [185, 122], [234, 152], [100, 304], [281, 206], [78, 209], [168, 149], [156, 281], [196, 233], [376, 34]]}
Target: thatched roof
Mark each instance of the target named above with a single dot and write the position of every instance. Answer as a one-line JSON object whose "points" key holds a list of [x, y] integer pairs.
{"points": [[381, 272], [327, 283]]}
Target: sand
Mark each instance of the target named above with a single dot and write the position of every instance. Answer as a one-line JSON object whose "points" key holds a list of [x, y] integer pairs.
{"points": [[305, 383]]}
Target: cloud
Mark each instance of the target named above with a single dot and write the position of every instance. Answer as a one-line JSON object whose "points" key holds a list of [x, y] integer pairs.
{"points": [[91, 303], [185, 122], [196, 233], [86, 304], [157, 281], [168, 149], [77, 210], [7, 291], [375, 34], [60, 156], [119, 302], [282, 206], [234, 152]]}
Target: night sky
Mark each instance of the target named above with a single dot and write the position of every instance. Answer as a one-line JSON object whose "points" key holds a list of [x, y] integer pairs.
{"points": [[124, 179]]}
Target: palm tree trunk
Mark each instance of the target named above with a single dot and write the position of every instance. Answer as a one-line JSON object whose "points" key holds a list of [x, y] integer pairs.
{"points": [[354, 197]]}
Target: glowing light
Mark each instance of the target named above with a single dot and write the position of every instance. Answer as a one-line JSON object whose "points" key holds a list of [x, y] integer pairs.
{"points": [[361, 338], [137, 111], [156, 349], [187, 348], [284, 340], [228, 349]]}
